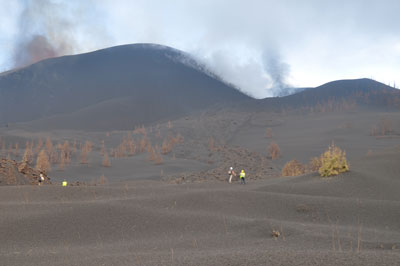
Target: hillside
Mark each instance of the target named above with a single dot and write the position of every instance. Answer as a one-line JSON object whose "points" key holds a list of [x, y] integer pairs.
{"points": [[139, 83], [338, 95]]}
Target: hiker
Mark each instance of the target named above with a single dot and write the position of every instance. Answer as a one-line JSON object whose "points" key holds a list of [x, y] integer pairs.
{"points": [[242, 177], [64, 183], [231, 174], [41, 179]]}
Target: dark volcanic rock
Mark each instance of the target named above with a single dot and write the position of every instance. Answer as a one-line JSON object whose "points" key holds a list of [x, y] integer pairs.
{"points": [[15, 173]]}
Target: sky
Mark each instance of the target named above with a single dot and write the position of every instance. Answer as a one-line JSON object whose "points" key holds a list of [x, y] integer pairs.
{"points": [[262, 47]]}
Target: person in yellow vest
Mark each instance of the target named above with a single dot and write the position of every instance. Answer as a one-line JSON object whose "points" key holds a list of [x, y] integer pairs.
{"points": [[64, 183], [242, 177]]}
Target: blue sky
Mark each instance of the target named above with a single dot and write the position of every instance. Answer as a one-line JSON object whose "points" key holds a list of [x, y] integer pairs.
{"points": [[256, 45]]}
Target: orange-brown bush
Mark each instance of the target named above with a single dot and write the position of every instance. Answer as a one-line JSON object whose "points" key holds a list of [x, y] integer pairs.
{"points": [[293, 168], [274, 151]]}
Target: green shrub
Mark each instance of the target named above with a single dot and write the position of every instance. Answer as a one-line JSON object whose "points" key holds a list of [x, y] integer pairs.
{"points": [[333, 162]]}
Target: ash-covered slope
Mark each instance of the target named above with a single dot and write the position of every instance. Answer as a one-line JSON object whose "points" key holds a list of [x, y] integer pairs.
{"points": [[142, 82], [338, 95]]}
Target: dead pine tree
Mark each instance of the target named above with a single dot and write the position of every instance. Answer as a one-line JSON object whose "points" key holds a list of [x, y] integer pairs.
{"points": [[152, 154], [102, 150], [39, 146], [61, 165], [16, 150], [28, 154], [74, 147], [86, 149], [51, 151], [67, 152], [43, 162], [10, 150], [131, 147], [106, 160], [158, 158], [268, 133], [165, 147], [3, 147], [274, 151], [143, 144], [211, 144]]}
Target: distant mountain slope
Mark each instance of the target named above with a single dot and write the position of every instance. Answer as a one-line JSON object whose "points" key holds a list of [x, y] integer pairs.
{"points": [[142, 82], [336, 95]]}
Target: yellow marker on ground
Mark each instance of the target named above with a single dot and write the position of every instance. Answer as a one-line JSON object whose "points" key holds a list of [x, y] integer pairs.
{"points": [[64, 183]]}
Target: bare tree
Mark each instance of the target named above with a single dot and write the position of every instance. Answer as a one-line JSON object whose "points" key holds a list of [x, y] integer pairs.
{"points": [[42, 162]]}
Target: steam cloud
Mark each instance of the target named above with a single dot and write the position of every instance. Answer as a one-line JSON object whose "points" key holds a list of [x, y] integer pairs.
{"points": [[231, 41], [278, 71]]}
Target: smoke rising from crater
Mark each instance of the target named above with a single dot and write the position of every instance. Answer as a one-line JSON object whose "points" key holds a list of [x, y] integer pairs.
{"points": [[51, 28], [260, 46], [278, 71], [44, 31]]}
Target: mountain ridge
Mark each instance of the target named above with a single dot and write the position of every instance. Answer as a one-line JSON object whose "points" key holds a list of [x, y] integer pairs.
{"points": [[145, 73]]}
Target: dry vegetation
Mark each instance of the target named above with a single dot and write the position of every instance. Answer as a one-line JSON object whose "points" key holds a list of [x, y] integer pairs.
{"points": [[43, 162], [106, 160], [47, 155], [383, 127], [315, 164], [331, 162], [274, 151], [85, 150], [293, 168], [211, 144], [268, 133], [385, 97]]}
